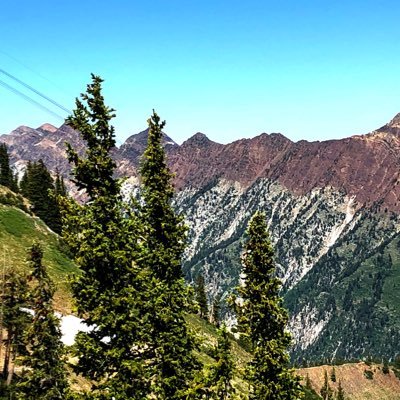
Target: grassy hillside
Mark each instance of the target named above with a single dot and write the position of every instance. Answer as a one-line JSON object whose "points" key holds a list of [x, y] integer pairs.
{"points": [[18, 230], [360, 381]]}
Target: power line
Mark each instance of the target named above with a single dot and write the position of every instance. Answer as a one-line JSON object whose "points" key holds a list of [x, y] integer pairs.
{"points": [[29, 68], [30, 100], [35, 91]]}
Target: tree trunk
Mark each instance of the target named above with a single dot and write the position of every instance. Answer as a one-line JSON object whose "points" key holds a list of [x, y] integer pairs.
{"points": [[7, 354]]}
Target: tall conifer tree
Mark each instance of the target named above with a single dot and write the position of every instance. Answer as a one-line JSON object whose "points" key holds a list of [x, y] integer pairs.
{"points": [[263, 320], [173, 361], [111, 292], [7, 177], [37, 185], [46, 377], [201, 297], [14, 301]]}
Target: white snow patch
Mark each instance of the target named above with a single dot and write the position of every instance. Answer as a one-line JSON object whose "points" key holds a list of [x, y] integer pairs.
{"points": [[70, 326]]}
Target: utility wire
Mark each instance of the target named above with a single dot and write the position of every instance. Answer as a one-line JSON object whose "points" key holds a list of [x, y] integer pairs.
{"points": [[29, 68], [35, 91], [30, 100]]}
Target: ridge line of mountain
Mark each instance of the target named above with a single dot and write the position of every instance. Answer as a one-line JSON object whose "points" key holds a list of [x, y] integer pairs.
{"points": [[366, 166]]}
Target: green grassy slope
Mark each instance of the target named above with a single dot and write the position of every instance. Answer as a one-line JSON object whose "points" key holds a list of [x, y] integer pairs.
{"points": [[18, 230]]}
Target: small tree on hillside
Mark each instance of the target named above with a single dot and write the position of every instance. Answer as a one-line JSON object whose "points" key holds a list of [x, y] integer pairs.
{"points": [[7, 177], [200, 296], [223, 371], [326, 391], [333, 375], [340, 393], [216, 310], [45, 377], [37, 185], [262, 318]]}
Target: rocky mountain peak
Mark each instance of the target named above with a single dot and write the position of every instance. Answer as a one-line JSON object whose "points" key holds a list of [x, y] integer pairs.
{"points": [[47, 128], [395, 122], [198, 139]]}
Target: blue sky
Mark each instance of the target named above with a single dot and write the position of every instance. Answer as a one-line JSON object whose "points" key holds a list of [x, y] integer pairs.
{"points": [[311, 70]]}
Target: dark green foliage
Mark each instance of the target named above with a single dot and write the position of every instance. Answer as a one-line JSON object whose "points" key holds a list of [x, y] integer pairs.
{"points": [[262, 318], [308, 382], [112, 293], [173, 364], [14, 299], [310, 394], [368, 374], [340, 393], [333, 375], [326, 391], [200, 296], [219, 380], [385, 368], [37, 186], [216, 310], [45, 377], [7, 177]]}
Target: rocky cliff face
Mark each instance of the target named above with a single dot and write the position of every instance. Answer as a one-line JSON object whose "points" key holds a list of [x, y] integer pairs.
{"points": [[333, 213]]}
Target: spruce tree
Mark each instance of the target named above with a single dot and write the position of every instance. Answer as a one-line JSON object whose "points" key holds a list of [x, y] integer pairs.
{"points": [[173, 363], [216, 310], [263, 320], [45, 377], [333, 374], [59, 191], [14, 301], [326, 391], [112, 293], [222, 372], [7, 177], [37, 185], [200, 296], [340, 393]]}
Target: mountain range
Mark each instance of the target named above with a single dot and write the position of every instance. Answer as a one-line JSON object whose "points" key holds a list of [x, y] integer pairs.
{"points": [[333, 214]]}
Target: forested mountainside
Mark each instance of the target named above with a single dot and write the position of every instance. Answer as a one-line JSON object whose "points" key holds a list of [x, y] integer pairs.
{"points": [[333, 214]]}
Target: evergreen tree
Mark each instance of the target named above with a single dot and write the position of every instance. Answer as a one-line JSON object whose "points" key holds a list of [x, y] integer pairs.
{"points": [[201, 298], [262, 318], [385, 368], [45, 377], [333, 375], [59, 191], [308, 382], [216, 310], [37, 186], [14, 301], [112, 293], [340, 394], [222, 373], [24, 182], [173, 363], [326, 391], [7, 177]]}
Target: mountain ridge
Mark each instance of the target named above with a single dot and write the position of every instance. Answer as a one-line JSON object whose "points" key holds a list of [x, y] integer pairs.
{"points": [[366, 166]]}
